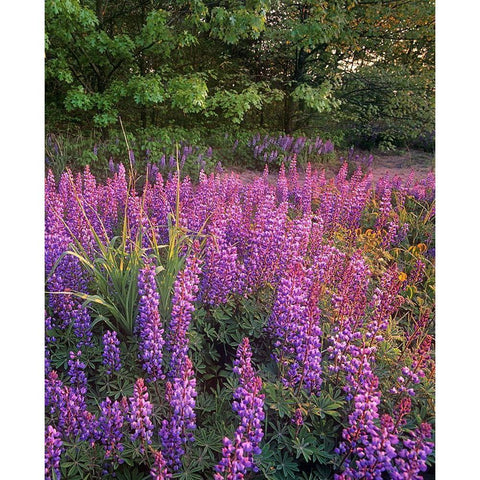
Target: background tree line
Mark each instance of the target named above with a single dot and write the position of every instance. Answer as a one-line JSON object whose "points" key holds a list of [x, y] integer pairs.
{"points": [[361, 71]]}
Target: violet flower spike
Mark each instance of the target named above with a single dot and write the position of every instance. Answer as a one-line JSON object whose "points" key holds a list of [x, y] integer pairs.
{"points": [[149, 325], [111, 352], [178, 431], [110, 424], [238, 454], [139, 415], [53, 451], [186, 289], [159, 468]]}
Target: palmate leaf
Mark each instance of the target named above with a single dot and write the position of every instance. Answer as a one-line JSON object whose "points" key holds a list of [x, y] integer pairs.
{"points": [[131, 474], [190, 470], [304, 445], [266, 462], [286, 466], [322, 457], [279, 398], [279, 432]]}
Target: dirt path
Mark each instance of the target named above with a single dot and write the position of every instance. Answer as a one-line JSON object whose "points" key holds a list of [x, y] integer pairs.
{"points": [[420, 162], [394, 164]]}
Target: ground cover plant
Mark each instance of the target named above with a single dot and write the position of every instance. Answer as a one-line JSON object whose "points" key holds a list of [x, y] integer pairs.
{"points": [[228, 330]]}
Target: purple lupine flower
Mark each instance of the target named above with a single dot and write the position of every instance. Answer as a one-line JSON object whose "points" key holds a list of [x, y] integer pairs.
{"points": [[176, 432], [385, 300], [64, 218], [82, 326], [306, 193], [111, 352], [221, 271], [295, 244], [328, 147], [90, 200], [69, 406], [49, 326], [76, 370], [135, 216], [237, 455], [159, 468], [53, 391], [282, 185], [153, 174], [162, 162], [412, 459], [362, 437], [294, 326], [294, 189], [108, 206], [110, 425], [413, 374], [385, 207], [53, 451], [402, 409], [185, 292], [354, 200], [79, 227], [149, 325], [368, 445], [56, 235], [416, 275], [139, 413], [390, 234], [263, 240], [298, 417]]}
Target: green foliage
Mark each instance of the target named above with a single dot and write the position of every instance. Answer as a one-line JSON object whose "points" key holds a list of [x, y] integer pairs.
{"points": [[231, 25], [318, 99], [147, 146], [387, 107], [188, 93], [362, 71], [114, 273], [148, 89]]}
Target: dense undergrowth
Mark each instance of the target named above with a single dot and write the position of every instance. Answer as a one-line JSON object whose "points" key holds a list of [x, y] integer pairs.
{"points": [[218, 329], [158, 150]]}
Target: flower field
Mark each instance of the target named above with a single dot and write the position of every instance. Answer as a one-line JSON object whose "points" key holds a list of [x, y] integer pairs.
{"points": [[228, 330]]}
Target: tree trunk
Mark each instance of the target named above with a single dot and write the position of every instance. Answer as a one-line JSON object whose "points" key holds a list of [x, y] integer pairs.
{"points": [[288, 114]]}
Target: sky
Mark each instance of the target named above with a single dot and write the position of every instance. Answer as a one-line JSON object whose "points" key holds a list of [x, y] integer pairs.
{"points": [[21, 241]]}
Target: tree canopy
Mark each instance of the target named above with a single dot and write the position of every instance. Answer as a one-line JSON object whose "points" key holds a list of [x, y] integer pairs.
{"points": [[366, 66]]}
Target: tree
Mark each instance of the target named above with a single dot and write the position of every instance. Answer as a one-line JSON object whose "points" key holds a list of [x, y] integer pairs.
{"points": [[358, 59], [362, 66], [104, 58]]}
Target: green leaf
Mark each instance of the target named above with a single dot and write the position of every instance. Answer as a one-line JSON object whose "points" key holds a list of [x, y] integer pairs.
{"points": [[304, 445], [286, 466]]}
